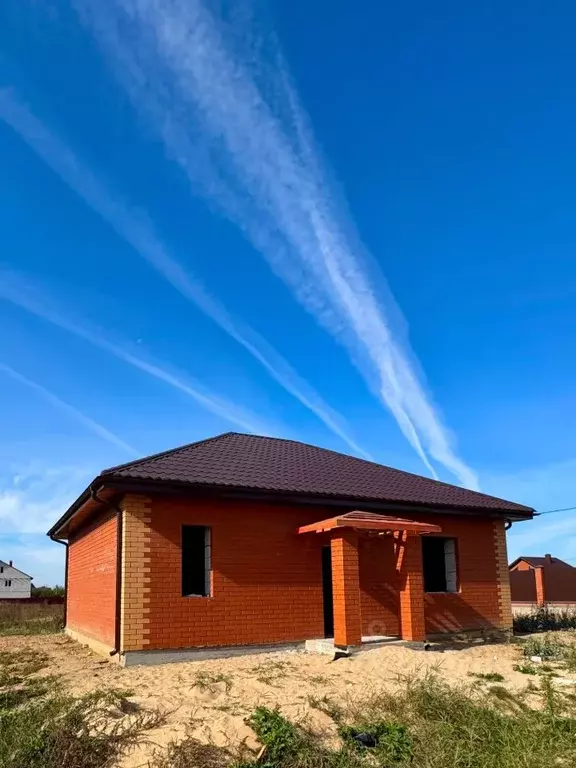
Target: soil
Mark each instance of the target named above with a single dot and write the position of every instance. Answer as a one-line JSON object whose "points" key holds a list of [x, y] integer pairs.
{"points": [[213, 698]]}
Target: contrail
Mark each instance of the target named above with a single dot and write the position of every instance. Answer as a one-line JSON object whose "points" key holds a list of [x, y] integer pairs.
{"points": [[137, 230], [180, 69], [80, 417], [18, 292]]}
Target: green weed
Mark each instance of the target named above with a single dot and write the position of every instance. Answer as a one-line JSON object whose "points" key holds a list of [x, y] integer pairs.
{"points": [[207, 681], [491, 677]]}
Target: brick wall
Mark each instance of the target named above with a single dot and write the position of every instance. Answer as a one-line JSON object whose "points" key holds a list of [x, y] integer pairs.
{"points": [[266, 579], [379, 586], [478, 602], [91, 597]]}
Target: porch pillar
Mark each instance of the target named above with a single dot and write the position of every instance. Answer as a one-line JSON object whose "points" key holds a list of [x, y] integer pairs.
{"points": [[409, 564], [346, 588]]}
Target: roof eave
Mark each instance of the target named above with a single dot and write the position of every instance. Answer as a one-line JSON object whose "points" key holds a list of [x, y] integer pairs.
{"points": [[73, 508], [135, 485]]}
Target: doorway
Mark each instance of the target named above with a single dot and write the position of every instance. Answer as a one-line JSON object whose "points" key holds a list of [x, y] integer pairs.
{"points": [[327, 595]]}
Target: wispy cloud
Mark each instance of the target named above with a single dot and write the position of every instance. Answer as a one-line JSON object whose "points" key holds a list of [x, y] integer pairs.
{"points": [[32, 498], [22, 293], [136, 228], [37, 556], [68, 409], [181, 69]]}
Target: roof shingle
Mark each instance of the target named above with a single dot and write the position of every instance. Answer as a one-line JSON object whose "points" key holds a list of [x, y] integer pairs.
{"points": [[276, 465]]}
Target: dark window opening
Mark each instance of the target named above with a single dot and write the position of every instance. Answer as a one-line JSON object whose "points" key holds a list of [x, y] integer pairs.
{"points": [[196, 561], [439, 564], [327, 595]]}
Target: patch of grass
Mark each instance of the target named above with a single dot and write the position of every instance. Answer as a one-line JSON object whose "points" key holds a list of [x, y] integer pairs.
{"points": [[30, 618], [570, 658], [191, 753], [491, 677], [207, 681], [43, 727], [271, 672], [546, 647], [545, 620], [230, 707], [328, 706], [526, 669], [319, 679], [392, 743], [279, 736], [428, 724]]}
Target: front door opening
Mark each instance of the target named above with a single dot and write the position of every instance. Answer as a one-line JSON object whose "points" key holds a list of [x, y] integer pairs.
{"points": [[327, 592]]}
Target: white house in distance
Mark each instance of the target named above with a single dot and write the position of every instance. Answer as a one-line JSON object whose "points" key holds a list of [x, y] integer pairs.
{"points": [[13, 583]]}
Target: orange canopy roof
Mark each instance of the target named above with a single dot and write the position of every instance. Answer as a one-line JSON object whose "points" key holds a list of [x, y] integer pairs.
{"points": [[370, 521]]}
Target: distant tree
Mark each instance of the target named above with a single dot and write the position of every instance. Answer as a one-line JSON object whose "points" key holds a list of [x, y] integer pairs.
{"points": [[56, 591]]}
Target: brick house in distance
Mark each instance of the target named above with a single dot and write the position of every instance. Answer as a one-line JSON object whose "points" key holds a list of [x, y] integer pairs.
{"points": [[238, 542], [542, 581]]}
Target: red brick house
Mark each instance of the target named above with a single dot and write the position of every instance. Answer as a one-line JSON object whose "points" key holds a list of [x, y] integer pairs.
{"points": [[541, 581], [240, 541]]}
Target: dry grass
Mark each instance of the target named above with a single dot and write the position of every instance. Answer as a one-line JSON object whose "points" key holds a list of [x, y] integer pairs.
{"points": [[41, 726], [30, 618]]}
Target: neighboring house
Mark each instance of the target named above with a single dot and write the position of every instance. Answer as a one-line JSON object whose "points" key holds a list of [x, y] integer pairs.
{"points": [[542, 580], [241, 540], [13, 583]]}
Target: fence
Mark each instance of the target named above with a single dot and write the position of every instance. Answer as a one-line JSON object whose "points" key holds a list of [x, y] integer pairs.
{"points": [[543, 585], [56, 600]]}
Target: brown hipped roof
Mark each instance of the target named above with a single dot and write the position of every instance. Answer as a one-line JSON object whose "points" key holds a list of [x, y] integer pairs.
{"points": [[265, 465], [541, 562]]}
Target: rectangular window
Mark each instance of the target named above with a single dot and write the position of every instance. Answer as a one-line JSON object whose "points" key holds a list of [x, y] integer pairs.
{"points": [[8, 583], [196, 561], [439, 564]]}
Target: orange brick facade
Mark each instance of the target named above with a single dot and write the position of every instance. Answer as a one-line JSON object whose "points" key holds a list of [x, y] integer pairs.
{"points": [[266, 579], [91, 593]]}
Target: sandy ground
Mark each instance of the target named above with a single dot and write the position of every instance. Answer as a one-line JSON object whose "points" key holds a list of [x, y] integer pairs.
{"points": [[216, 696]]}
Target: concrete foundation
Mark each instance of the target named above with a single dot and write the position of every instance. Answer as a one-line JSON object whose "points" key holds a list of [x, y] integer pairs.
{"points": [[169, 656], [95, 645], [326, 645]]}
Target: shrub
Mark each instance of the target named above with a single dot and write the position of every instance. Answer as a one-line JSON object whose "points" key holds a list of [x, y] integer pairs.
{"points": [[280, 737], [56, 591], [546, 647], [526, 669], [545, 620]]}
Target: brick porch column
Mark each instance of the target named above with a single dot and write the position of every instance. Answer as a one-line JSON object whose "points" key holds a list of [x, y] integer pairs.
{"points": [[409, 563], [346, 589]]}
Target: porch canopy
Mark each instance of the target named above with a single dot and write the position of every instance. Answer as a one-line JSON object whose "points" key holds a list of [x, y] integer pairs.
{"points": [[343, 530], [370, 521]]}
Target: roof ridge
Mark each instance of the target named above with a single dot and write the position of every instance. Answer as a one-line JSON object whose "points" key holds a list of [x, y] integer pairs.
{"points": [[160, 454], [404, 472], [7, 562], [375, 463]]}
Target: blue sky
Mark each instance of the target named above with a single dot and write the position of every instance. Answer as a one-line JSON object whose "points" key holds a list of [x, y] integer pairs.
{"points": [[342, 222]]}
